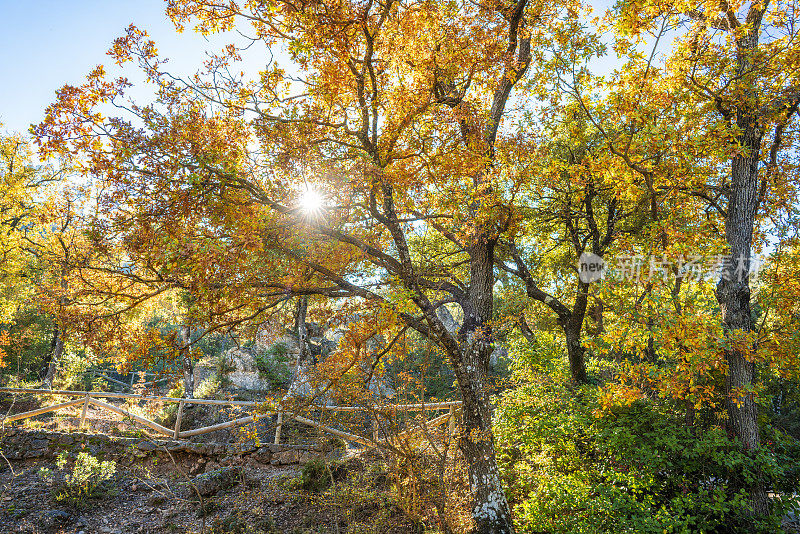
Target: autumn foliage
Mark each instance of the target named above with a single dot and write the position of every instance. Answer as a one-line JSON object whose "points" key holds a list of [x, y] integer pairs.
{"points": [[427, 177]]}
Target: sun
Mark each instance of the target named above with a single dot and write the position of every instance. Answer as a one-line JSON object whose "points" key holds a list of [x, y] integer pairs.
{"points": [[311, 201]]}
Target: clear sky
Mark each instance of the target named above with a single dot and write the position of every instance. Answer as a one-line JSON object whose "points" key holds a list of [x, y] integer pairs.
{"points": [[47, 43]]}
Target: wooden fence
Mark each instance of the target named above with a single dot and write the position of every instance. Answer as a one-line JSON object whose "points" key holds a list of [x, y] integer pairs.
{"points": [[85, 398]]}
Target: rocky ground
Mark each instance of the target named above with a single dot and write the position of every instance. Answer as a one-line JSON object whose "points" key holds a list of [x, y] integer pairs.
{"points": [[233, 485], [155, 498]]}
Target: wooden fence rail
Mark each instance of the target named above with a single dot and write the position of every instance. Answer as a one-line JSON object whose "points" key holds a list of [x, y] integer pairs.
{"points": [[92, 397]]}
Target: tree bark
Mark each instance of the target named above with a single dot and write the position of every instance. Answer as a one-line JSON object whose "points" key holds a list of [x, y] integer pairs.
{"points": [[184, 338], [48, 371], [301, 385], [301, 330], [573, 325], [575, 354], [733, 296], [733, 289], [490, 508]]}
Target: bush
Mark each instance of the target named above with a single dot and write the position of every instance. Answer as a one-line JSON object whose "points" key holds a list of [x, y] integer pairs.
{"points": [[273, 365], [88, 479], [316, 476], [639, 469], [242, 523]]}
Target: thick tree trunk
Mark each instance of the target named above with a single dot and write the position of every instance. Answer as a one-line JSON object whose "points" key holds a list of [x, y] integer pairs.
{"points": [[572, 325], [575, 354], [301, 385], [48, 371], [734, 301], [490, 510], [733, 295], [305, 357], [184, 337]]}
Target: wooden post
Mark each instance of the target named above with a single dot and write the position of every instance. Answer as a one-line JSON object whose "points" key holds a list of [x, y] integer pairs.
{"points": [[278, 428], [178, 420], [83, 412]]}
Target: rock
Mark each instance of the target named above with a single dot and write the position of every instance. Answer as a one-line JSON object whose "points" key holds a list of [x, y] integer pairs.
{"points": [[40, 443], [54, 518], [212, 482], [247, 447], [156, 500], [285, 458], [197, 468], [262, 455], [305, 457]]}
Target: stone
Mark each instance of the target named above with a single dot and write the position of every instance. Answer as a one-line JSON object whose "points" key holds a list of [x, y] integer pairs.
{"points": [[156, 500], [305, 457], [210, 483], [247, 447], [262, 455], [285, 458], [196, 468], [53, 518]]}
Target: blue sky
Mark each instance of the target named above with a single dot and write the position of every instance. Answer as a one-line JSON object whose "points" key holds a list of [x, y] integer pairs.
{"points": [[47, 43]]}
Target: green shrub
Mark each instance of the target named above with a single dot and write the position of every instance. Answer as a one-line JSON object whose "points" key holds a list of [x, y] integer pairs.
{"points": [[243, 523], [89, 478], [224, 367], [210, 388], [639, 469], [316, 476], [273, 365]]}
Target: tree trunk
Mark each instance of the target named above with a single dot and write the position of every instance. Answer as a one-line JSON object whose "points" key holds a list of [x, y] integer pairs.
{"points": [[301, 385], [305, 357], [490, 508], [733, 294], [48, 371], [184, 338], [572, 325], [575, 354]]}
